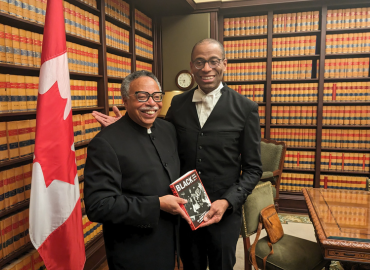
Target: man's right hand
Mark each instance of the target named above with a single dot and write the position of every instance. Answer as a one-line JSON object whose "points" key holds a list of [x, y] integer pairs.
{"points": [[106, 120], [171, 204]]}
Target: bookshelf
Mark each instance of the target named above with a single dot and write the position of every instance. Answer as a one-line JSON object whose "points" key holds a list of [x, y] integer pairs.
{"points": [[96, 34], [293, 200]]}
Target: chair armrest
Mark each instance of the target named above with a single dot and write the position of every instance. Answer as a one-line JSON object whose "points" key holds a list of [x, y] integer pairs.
{"points": [[276, 172]]}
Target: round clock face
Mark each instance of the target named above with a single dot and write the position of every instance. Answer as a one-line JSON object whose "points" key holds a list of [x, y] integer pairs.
{"points": [[184, 80]]}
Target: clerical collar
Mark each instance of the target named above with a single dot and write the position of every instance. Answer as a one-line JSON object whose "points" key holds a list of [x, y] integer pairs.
{"points": [[138, 127], [199, 94]]}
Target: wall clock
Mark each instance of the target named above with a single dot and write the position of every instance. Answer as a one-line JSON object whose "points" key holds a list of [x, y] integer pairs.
{"points": [[184, 80]]}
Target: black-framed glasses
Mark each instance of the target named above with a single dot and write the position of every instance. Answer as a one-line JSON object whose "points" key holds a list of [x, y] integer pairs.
{"points": [[143, 96], [213, 62]]}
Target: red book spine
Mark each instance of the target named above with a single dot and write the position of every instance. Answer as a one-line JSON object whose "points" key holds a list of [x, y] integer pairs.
{"points": [[325, 182], [329, 161], [334, 93]]}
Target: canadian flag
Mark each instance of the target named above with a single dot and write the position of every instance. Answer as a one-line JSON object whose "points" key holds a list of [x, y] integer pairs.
{"points": [[55, 209]]}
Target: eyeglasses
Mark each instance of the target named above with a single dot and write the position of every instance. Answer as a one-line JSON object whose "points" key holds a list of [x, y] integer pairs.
{"points": [[213, 63], [143, 96]]}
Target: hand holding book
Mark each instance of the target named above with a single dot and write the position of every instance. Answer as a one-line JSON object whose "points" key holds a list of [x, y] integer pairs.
{"points": [[190, 187], [171, 204], [216, 212]]}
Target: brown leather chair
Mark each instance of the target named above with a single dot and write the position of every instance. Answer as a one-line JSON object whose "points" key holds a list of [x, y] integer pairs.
{"points": [[272, 157]]}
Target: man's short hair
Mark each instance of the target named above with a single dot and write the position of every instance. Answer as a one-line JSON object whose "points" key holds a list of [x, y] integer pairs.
{"points": [[211, 41], [125, 87]]}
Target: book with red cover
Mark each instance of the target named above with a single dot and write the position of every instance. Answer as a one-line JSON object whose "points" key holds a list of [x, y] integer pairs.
{"points": [[190, 187]]}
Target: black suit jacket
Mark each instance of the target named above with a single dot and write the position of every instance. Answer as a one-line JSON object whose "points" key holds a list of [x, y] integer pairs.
{"points": [[126, 172], [228, 142]]}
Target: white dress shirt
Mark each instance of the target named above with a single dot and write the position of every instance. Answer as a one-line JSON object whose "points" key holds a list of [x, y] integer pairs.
{"points": [[206, 102]]}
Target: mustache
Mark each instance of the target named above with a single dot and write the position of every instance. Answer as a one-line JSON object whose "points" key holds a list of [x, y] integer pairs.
{"points": [[148, 108]]}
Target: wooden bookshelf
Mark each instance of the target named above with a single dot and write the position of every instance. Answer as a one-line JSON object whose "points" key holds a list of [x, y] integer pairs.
{"points": [[95, 252], [294, 201]]}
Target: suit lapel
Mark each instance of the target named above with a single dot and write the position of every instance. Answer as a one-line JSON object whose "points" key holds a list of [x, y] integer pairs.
{"points": [[193, 114]]}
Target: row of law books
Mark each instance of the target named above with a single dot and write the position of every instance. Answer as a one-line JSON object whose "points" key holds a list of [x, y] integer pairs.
{"points": [[143, 23], [346, 138], [249, 48], [346, 115], [117, 37], [81, 155], [295, 182], [85, 127], [295, 137], [118, 9], [262, 132], [82, 199], [17, 139], [118, 66], [84, 93], [111, 113], [29, 261], [15, 186], [18, 93], [342, 182], [346, 91], [245, 71], [114, 94], [346, 67], [82, 59], [20, 47], [282, 70], [348, 18], [144, 66], [245, 26], [91, 3], [299, 160], [289, 46], [262, 114], [345, 216], [350, 196], [296, 22], [336, 161], [143, 47], [90, 229], [254, 92], [300, 92], [30, 10], [14, 233], [296, 115], [80, 23], [348, 43]]}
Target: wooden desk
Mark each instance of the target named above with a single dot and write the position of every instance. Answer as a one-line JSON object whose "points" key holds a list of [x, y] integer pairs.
{"points": [[341, 219]]}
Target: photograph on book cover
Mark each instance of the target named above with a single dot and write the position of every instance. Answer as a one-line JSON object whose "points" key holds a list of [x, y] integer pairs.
{"points": [[198, 203]]}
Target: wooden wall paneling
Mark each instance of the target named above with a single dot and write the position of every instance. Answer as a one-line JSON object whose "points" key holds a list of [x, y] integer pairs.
{"points": [[268, 75], [214, 25], [132, 34], [157, 49], [103, 82], [320, 97]]}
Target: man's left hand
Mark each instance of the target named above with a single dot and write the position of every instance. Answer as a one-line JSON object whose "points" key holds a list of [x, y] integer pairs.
{"points": [[216, 212]]}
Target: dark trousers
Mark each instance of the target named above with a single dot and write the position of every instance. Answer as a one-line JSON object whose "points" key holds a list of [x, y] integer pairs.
{"points": [[215, 243]]}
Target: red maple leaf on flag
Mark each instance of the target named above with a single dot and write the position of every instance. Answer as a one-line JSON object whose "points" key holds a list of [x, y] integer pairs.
{"points": [[54, 141]]}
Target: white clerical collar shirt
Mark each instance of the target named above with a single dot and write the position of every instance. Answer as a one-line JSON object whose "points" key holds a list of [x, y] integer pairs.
{"points": [[206, 102]]}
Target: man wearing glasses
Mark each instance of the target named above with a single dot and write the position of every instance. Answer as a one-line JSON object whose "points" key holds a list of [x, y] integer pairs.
{"points": [[129, 167], [218, 133]]}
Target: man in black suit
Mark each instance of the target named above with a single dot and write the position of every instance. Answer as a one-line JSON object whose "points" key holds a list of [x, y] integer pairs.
{"points": [[218, 133], [129, 167]]}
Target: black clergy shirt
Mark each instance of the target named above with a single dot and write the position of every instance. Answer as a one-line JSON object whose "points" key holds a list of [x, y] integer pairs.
{"points": [[126, 172]]}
